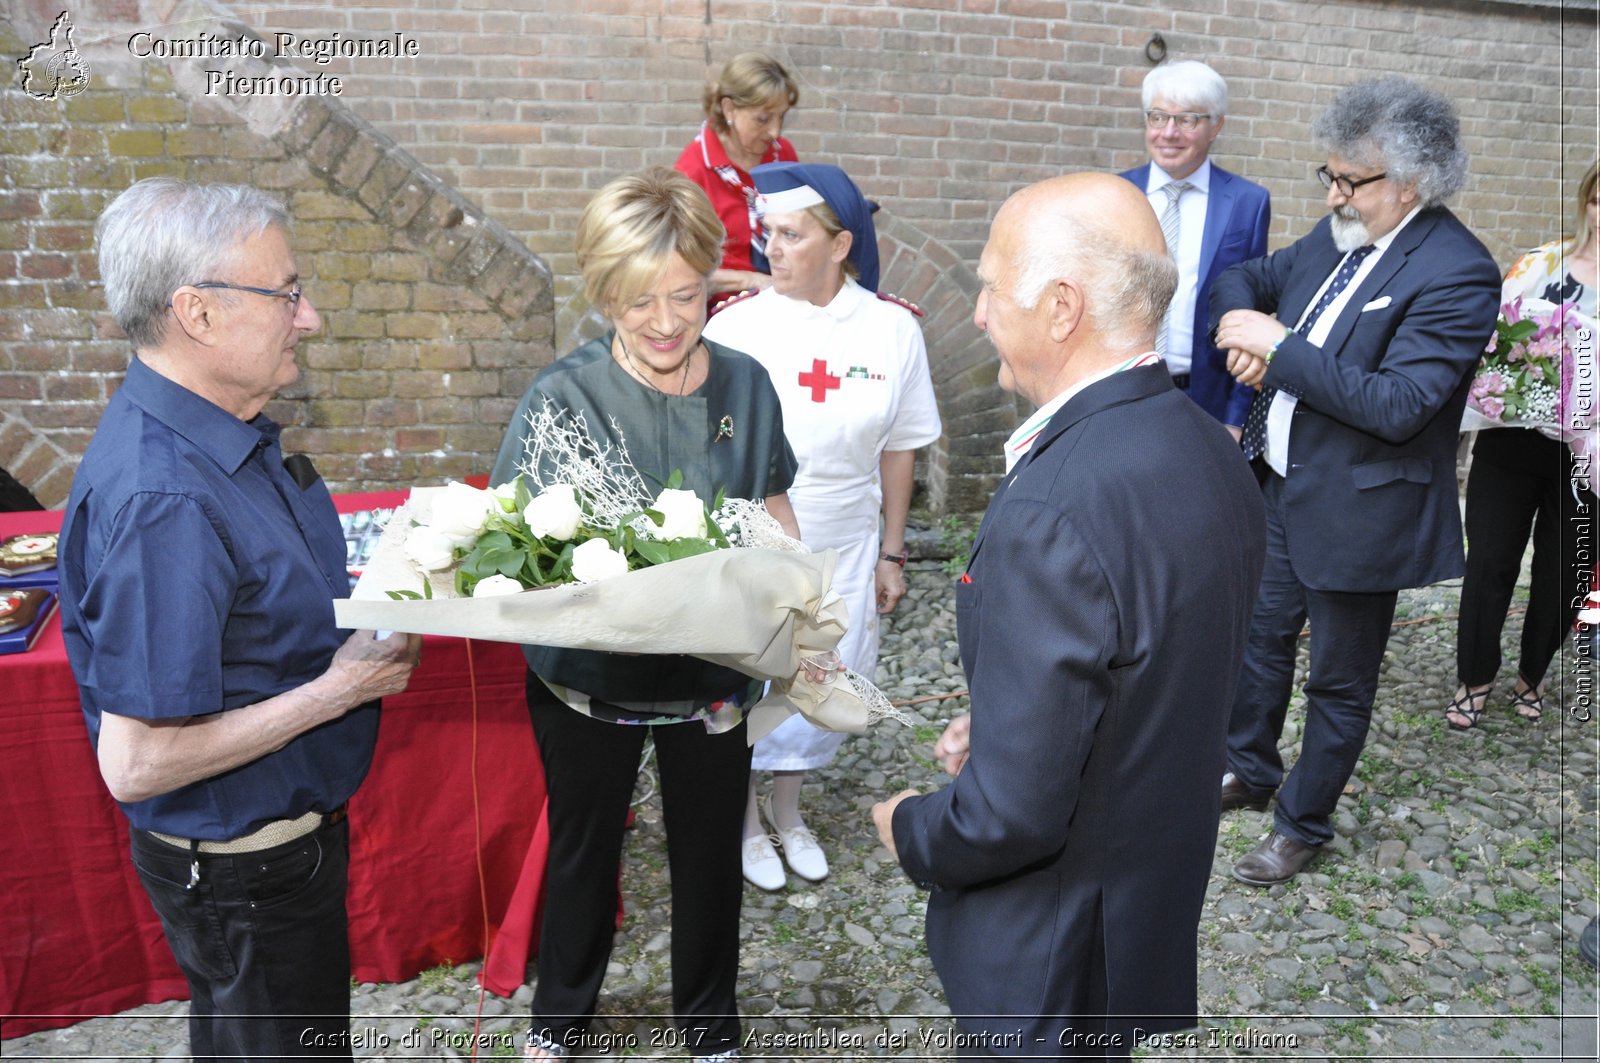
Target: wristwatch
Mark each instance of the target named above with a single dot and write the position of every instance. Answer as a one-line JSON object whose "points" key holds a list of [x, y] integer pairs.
{"points": [[899, 559]]}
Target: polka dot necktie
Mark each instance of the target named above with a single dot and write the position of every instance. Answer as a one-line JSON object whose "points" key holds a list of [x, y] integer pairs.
{"points": [[1255, 425]]}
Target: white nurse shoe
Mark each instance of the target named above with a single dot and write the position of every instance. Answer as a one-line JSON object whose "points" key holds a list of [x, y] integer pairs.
{"points": [[800, 849], [761, 864]]}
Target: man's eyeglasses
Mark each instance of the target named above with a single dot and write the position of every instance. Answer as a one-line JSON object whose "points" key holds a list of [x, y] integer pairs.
{"points": [[293, 294], [1346, 186], [1188, 121]]}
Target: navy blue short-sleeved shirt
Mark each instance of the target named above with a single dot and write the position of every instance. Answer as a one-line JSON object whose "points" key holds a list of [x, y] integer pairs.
{"points": [[197, 577]]}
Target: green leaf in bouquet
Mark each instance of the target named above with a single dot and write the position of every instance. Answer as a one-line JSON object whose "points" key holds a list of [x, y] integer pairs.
{"points": [[529, 574], [491, 542], [714, 530], [654, 551], [465, 581], [1521, 332], [561, 570], [491, 557], [675, 481], [678, 549], [510, 563], [524, 495], [625, 541]]}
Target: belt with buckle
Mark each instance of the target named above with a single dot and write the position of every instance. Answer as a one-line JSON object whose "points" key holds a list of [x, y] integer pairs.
{"points": [[277, 832]]}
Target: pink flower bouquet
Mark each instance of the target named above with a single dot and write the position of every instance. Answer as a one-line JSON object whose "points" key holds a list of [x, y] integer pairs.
{"points": [[1537, 372]]}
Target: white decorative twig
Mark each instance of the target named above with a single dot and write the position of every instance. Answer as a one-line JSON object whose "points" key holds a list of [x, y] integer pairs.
{"points": [[606, 479], [603, 473]]}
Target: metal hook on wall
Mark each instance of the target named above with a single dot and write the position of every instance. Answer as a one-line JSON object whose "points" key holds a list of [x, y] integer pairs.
{"points": [[1155, 49]]}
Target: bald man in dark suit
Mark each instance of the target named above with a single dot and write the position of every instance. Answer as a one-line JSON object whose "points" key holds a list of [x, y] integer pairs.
{"points": [[1101, 617]]}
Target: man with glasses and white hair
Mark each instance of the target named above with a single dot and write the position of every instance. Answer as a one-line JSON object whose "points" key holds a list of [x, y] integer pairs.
{"points": [[1362, 337], [232, 719], [1211, 219]]}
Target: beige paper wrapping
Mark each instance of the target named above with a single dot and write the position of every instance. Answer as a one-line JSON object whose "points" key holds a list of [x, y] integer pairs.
{"points": [[757, 611]]}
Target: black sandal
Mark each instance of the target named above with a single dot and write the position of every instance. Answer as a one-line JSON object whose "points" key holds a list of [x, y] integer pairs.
{"points": [[1470, 706], [1529, 704]]}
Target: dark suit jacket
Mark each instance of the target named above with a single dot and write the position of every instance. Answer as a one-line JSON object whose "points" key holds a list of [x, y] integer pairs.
{"points": [[1370, 495], [1102, 622], [1238, 213]]}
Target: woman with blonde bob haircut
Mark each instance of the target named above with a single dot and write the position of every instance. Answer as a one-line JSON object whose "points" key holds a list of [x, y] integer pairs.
{"points": [[745, 108], [630, 230], [680, 404]]}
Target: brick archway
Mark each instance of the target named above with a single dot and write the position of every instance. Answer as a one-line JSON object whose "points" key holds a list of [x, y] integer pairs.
{"points": [[34, 461], [965, 466]]}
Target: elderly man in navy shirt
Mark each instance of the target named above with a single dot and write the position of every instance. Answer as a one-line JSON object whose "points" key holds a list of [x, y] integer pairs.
{"points": [[231, 718]]}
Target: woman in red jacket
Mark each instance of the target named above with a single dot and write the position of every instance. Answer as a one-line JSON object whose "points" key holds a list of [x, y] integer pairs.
{"points": [[745, 108]]}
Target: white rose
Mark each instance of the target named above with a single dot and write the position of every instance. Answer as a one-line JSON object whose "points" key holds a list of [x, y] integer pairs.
{"points": [[506, 493], [491, 586], [595, 560], [683, 516], [461, 511], [429, 548], [555, 513]]}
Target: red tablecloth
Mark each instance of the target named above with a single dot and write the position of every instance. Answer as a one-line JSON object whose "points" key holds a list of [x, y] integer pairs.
{"points": [[78, 937]]}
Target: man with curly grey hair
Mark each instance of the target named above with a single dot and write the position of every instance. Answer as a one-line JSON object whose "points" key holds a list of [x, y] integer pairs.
{"points": [[1362, 337]]}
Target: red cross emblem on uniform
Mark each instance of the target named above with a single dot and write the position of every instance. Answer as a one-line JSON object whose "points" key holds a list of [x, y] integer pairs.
{"points": [[819, 380]]}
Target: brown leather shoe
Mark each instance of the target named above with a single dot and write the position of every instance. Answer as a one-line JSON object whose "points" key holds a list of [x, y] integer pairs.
{"points": [[1236, 794], [1278, 859]]}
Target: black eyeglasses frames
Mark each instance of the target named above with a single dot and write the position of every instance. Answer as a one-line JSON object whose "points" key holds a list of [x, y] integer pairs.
{"points": [[1347, 186]]}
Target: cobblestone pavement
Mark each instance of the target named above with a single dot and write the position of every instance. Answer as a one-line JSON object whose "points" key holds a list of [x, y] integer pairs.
{"points": [[1442, 924]]}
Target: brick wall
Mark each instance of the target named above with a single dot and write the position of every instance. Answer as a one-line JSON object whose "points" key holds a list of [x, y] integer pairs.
{"points": [[940, 108], [435, 316]]}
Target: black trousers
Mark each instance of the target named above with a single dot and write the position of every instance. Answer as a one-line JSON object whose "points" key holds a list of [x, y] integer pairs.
{"points": [[1520, 482], [1348, 634], [262, 939], [590, 767]]}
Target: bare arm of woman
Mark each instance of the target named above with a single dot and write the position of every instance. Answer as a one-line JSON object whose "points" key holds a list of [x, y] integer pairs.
{"points": [[895, 469], [782, 512], [738, 280]]}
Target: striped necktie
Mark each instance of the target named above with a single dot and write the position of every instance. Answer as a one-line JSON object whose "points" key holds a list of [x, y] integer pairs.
{"points": [[1254, 439], [1169, 230]]}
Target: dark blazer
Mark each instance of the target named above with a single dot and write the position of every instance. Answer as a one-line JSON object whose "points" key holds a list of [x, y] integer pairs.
{"points": [[1370, 497], [1102, 621], [1238, 213]]}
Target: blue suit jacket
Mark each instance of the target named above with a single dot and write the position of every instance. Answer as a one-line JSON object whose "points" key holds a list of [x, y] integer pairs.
{"points": [[1370, 498], [1238, 213], [1102, 622]]}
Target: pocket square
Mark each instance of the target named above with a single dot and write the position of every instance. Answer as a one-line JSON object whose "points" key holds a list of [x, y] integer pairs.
{"points": [[1377, 304]]}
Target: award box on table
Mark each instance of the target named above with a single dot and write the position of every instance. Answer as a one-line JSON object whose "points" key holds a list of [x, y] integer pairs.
{"points": [[24, 613], [28, 560]]}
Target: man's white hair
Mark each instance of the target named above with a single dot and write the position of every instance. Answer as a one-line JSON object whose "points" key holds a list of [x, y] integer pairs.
{"points": [[1127, 288]]}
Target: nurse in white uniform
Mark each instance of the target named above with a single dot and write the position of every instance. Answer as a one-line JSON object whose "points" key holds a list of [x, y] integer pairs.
{"points": [[851, 372]]}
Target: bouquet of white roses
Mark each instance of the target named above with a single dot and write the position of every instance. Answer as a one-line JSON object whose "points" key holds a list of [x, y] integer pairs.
{"points": [[607, 567], [506, 539]]}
